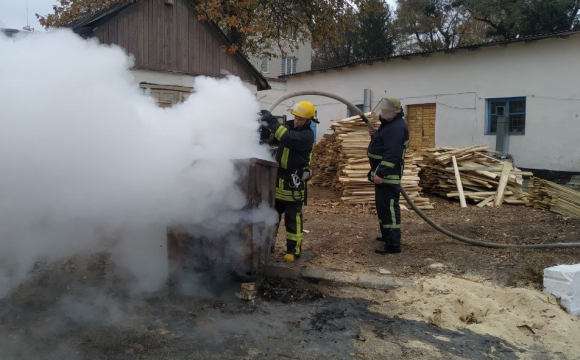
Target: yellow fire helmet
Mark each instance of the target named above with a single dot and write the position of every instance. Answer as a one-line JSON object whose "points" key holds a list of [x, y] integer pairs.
{"points": [[388, 103], [305, 110]]}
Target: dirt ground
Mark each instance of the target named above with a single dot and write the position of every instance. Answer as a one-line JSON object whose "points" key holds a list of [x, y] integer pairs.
{"points": [[83, 312], [459, 308], [342, 237], [59, 314]]}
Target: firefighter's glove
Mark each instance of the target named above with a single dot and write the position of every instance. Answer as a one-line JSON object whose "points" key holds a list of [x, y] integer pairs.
{"points": [[268, 118]]}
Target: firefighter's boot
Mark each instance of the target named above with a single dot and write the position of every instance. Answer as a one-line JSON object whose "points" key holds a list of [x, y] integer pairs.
{"points": [[289, 258], [392, 244]]}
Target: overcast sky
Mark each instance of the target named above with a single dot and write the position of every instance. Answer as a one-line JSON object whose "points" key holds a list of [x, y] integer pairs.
{"points": [[13, 12]]}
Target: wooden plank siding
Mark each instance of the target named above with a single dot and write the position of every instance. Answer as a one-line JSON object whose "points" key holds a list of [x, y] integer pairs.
{"points": [[193, 37], [112, 31], [421, 122], [146, 19], [132, 27], [171, 38], [182, 49]]}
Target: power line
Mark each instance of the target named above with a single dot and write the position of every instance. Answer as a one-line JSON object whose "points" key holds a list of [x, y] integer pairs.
{"points": [[436, 96]]}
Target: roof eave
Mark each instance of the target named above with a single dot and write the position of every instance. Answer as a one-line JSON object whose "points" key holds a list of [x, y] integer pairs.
{"points": [[474, 47]]}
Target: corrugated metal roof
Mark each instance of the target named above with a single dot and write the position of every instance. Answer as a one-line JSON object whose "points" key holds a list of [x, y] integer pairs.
{"points": [[562, 34]]}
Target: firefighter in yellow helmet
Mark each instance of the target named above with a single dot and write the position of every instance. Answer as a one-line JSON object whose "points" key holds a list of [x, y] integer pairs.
{"points": [[295, 141]]}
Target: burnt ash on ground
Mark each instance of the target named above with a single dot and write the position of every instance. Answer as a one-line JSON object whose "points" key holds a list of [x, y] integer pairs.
{"points": [[69, 319]]}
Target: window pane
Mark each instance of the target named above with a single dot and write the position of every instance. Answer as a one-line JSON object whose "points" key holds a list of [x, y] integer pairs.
{"points": [[493, 124], [494, 106], [265, 64], [294, 63], [517, 123], [493, 118], [517, 106], [350, 113]]}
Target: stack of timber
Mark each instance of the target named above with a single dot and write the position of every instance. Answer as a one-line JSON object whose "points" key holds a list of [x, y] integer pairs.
{"points": [[551, 196], [470, 173], [340, 162], [325, 162]]}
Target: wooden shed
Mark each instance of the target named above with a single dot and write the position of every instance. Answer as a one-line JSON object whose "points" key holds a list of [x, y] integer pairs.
{"points": [[166, 37]]}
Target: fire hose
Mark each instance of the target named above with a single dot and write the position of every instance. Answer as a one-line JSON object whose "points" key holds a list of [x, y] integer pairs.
{"points": [[418, 211]]}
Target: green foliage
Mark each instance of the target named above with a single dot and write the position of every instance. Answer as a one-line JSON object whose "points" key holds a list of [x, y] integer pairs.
{"points": [[343, 31], [374, 36], [434, 24], [360, 33], [512, 18], [253, 26], [335, 46]]}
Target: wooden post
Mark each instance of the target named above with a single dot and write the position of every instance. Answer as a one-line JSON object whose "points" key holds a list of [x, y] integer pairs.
{"points": [[505, 174], [459, 184]]}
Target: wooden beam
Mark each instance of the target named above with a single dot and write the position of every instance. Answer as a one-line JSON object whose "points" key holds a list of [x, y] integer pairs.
{"points": [[459, 184], [478, 193], [489, 168], [505, 174], [515, 201], [486, 201]]}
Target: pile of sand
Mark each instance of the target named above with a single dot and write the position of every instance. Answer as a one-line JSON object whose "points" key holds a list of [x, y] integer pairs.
{"points": [[532, 324], [523, 317]]}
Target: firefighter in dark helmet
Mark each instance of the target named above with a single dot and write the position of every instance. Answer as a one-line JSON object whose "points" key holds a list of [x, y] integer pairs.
{"points": [[295, 141], [386, 154]]}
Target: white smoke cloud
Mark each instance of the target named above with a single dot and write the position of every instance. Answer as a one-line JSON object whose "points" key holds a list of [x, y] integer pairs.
{"points": [[85, 154]]}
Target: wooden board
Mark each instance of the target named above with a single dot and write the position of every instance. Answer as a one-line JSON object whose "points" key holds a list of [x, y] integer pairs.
{"points": [[480, 174], [340, 162], [507, 167], [547, 195], [486, 201], [421, 122], [459, 184]]}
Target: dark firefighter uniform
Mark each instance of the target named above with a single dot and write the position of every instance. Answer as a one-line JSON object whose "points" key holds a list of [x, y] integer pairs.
{"points": [[293, 157], [386, 154]]}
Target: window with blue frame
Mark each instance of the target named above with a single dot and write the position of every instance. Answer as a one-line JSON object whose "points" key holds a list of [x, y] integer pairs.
{"points": [[515, 110], [313, 125]]}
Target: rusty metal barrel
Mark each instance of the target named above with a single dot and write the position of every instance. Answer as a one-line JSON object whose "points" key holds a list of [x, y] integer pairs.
{"points": [[245, 248]]}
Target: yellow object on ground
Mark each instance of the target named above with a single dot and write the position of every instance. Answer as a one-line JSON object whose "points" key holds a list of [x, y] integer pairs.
{"points": [[289, 258]]}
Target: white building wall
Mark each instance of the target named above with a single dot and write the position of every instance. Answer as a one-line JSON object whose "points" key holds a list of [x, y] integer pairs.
{"points": [[546, 72], [173, 79], [303, 54], [266, 98]]}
